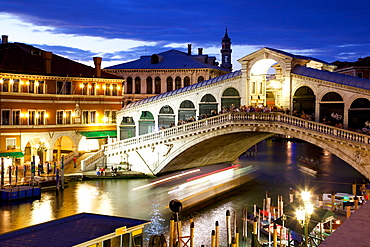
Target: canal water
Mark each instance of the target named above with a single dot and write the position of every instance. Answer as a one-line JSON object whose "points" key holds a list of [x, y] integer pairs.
{"points": [[277, 174]]}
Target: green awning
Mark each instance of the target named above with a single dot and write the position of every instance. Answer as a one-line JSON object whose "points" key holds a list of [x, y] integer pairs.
{"points": [[99, 134], [12, 154]]}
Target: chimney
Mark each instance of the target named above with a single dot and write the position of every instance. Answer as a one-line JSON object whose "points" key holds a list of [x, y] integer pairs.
{"points": [[47, 55], [200, 51], [189, 49], [97, 62], [4, 39]]}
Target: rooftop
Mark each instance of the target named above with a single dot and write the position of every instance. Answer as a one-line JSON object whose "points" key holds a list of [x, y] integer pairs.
{"points": [[67, 231], [172, 59], [332, 77], [26, 59]]}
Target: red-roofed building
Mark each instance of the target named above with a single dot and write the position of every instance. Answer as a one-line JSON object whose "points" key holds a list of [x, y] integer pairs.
{"points": [[49, 104]]}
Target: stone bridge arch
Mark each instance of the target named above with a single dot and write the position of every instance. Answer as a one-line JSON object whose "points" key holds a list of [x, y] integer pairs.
{"points": [[226, 143]]}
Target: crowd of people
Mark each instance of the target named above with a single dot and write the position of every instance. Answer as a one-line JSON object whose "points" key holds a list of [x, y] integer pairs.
{"points": [[332, 120]]}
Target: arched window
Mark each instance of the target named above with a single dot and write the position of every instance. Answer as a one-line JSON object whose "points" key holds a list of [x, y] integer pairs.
{"points": [[177, 82], [157, 82], [207, 105], [169, 84], [200, 79], [187, 111], [186, 81], [137, 85], [129, 85], [230, 97], [166, 117], [332, 96], [149, 85]]}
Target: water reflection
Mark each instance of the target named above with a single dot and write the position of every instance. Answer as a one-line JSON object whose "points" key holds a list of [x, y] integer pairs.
{"points": [[278, 173]]}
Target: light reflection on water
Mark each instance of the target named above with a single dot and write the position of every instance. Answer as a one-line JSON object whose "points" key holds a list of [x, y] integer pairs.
{"points": [[278, 173]]}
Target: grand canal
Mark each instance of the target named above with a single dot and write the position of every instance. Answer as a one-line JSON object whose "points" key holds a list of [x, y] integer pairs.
{"points": [[277, 174]]}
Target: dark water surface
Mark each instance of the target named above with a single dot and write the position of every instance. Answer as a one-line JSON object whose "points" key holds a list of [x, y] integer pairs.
{"points": [[277, 174]]}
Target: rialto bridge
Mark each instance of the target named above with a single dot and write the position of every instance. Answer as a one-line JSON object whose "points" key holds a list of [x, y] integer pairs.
{"points": [[152, 140]]}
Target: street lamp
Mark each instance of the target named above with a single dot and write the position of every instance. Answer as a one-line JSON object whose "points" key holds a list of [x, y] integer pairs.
{"points": [[303, 214]]}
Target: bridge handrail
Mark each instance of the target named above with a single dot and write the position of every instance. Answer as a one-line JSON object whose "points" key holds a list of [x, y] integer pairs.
{"points": [[242, 116], [91, 160]]}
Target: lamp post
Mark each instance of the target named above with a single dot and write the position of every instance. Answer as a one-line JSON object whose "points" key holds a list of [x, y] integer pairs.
{"points": [[303, 214]]}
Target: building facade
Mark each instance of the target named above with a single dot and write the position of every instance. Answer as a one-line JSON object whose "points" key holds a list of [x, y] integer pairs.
{"points": [[359, 68], [52, 106], [170, 70]]}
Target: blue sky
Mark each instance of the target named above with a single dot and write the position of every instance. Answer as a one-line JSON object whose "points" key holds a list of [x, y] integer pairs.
{"points": [[121, 30]]}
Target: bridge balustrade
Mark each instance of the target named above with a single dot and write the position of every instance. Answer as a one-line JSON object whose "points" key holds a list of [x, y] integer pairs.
{"points": [[232, 117]]}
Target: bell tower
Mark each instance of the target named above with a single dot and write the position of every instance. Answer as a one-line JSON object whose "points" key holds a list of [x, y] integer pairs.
{"points": [[226, 52]]}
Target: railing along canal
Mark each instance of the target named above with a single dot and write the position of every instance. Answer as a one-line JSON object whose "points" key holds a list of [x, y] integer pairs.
{"points": [[233, 117]]}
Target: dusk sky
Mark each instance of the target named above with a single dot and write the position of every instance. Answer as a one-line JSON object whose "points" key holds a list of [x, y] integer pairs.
{"points": [[121, 30]]}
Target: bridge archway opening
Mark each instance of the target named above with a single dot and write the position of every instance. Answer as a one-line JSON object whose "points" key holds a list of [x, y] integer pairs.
{"points": [[332, 108], [358, 113], [230, 97], [187, 111], [266, 82], [166, 117], [127, 128], [207, 104], [146, 123], [304, 101]]}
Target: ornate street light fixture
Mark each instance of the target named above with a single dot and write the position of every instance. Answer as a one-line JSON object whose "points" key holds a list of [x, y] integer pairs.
{"points": [[304, 212]]}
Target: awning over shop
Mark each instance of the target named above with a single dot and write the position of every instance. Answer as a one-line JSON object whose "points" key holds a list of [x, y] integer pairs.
{"points": [[12, 154], [99, 134]]}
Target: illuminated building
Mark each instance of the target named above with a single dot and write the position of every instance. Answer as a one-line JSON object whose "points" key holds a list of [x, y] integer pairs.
{"points": [[170, 70], [50, 104]]}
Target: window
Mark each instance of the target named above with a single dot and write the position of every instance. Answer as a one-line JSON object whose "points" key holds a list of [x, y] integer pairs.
{"points": [[31, 86], [169, 84], [149, 85], [114, 89], [60, 117], [5, 86], [137, 85], [108, 89], [84, 88], [5, 117], [31, 117], [64, 87], [177, 83], [200, 79], [93, 89], [40, 116], [92, 116], [254, 87], [186, 81], [10, 143], [85, 117], [107, 116], [68, 117], [261, 88], [129, 85], [15, 87], [16, 117], [40, 87], [114, 114], [359, 74], [157, 85]]}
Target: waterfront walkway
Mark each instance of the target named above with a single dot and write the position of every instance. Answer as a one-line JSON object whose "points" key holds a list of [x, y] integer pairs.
{"points": [[355, 231]]}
